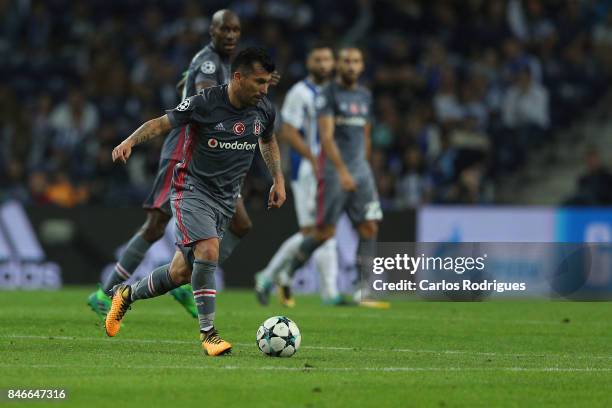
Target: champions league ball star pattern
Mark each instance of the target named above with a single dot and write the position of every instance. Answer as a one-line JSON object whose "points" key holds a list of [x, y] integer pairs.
{"points": [[278, 336]]}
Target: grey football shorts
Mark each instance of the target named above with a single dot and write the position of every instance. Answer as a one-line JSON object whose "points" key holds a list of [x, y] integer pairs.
{"points": [[197, 217], [360, 205], [159, 197]]}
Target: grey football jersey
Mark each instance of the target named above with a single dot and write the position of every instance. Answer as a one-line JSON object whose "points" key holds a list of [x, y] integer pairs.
{"points": [[220, 143], [352, 110], [207, 65]]}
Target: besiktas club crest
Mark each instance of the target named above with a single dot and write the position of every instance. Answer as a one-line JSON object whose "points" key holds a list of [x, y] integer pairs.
{"points": [[257, 127]]}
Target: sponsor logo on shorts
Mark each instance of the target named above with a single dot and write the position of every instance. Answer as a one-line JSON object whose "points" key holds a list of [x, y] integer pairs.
{"points": [[235, 145], [238, 128]]}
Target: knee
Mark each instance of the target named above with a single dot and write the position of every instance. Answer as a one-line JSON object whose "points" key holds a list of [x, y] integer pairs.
{"points": [[368, 230], [324, 233], [241, 224], [180, 275], [154, 227], [307, 230], [207, 250]]}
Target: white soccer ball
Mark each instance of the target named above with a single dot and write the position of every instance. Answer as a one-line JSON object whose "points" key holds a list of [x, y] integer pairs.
{"points": [[278, 336]]}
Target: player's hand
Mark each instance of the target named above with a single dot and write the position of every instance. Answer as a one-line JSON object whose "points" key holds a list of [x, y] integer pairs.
{"points": [[346, 181], [276, 77], [277, 195], [123, 151], [315, 165]]}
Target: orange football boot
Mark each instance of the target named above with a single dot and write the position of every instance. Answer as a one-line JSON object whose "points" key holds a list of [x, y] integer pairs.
{"points": [[122, 298]]}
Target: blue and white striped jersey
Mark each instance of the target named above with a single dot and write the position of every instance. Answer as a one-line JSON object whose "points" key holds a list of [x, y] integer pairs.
{"points": [[299, 111]]}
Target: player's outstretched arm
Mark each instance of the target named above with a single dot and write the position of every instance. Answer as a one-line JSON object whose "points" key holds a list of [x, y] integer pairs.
{"points": [[150, 129], [291, 135], [271, 155], [330, 148], [367, 134]]}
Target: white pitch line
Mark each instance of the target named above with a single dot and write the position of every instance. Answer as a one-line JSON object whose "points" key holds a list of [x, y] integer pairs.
{"points": [[449, 319], [389, 315], [69, 338], [330, 348], [281, 368]]}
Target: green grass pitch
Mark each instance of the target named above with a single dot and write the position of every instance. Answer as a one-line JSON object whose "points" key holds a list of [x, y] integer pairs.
{"points": [[415, 354]]}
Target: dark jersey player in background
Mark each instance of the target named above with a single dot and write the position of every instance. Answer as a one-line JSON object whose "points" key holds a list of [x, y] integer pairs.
{"points": [[223, 126], [346, 183], [209, 67]]}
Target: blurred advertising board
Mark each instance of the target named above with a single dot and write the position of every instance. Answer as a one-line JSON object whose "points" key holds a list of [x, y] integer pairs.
{"points": [[590, 265], [23, 263]]}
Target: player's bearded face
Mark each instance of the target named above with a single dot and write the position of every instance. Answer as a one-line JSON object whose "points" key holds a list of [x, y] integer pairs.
{"points": [[253, 86], [321, 64], [350, 65]]}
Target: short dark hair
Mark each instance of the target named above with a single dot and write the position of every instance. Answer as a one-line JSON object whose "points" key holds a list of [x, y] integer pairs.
{"points": [[246, 58], [319, 45], [348, 47]]}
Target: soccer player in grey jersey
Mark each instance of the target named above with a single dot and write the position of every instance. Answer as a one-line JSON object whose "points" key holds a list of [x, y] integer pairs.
{"points": [[300, 130], [223, 125], [209, 67], [346, 182]]}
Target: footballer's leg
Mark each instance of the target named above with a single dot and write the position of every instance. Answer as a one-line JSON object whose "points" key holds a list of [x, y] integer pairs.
{"points": [[205, 292], [326, 260], [277, 269], [152, 230], [182, 294], [304, 189], [159, 282], [366, 250], [325, 257], [200, 227], [157, 205], [159, 213], [239, 226], [330, 205], [159, 200], [308, 246], [365, 212]]}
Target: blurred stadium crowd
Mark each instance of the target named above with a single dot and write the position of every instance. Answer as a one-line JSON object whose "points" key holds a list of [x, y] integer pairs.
{"points": [[464, 90]]}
